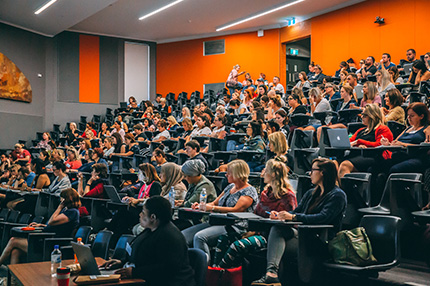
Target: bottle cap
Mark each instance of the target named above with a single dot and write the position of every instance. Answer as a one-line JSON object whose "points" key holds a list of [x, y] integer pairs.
{"points": [[56, 247], [79, 239]]}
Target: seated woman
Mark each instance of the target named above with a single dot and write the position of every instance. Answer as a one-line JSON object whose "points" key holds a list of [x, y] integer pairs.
{"points": [[131, 146], [90, 129], [383, 82], [72, 134], [303, 81], [173, 124], [95, 185], [124, 219], [278, 195], [104, 132], [97, 157], [193, 171], [299, 93], [46, 142], [164, 134], [278, 144], [400, 162], [171, 176], [346, 93], [274, 104], [4, 163], [13, 179], [238, 196], [330, 92], [394, 100], [72, 162], [370, 95], [202, 129], [369, 136], [86, 167], [324, 204], [281, 117], [41, 181], [44, 156], [159, 247], [61, 180], [254, 141], [63, 222], [395, 77], [57, 155], [219, 130], [421, 71], [185, 114]]}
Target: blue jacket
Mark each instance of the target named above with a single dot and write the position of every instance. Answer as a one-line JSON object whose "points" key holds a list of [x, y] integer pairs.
{"points": [[330, 210]]}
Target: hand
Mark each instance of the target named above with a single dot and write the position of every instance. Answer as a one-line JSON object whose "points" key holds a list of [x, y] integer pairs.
{"points": [[384, 141], [94, 178], [80, 176], [362, 146], [195, 206], [283, 215], [426, 207], [274, 215], [131, 170], [33, 224], [133, 201], [397, 143], [353, 143], [111, 264], [125, 272], [178, 203]]}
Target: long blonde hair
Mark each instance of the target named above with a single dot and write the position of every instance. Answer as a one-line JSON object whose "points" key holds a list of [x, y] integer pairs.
{"points": [[280, 183], [279, 143], [375, 117], [372, 91]]}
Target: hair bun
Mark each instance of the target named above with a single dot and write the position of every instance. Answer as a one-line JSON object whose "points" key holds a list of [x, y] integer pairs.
{"points": [[282, 159]]}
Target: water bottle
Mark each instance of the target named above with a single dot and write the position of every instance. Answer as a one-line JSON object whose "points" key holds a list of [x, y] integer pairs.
{"points": [[79, 240], [55, 260], [172, 197], [203, 199]]}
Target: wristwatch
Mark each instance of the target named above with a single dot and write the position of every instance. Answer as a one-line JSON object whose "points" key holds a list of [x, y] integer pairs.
{"points": [[293, 218]]}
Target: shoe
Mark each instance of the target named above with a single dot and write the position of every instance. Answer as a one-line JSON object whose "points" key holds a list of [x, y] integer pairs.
{"points": [[267, 281]]}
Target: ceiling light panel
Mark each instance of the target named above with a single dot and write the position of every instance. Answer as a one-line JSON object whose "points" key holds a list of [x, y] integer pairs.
{"points": [[44, 7], [161, 9]]}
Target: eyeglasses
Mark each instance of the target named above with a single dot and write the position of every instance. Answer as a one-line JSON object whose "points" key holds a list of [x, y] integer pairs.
{"points": [[426, 56]]}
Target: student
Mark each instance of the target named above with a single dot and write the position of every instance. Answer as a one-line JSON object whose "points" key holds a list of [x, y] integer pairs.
{"points": [[159, 254], [63, 222], [324, 204]]}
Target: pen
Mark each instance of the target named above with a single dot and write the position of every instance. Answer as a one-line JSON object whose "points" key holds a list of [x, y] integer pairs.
{"points": [[267, 212]]}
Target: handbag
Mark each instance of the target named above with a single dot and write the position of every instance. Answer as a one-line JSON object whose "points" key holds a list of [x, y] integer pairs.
{"points": [[352, 247], [224, 277]]}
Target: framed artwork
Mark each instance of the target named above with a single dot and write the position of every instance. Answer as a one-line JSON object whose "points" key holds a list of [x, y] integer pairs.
{"points": [[13, 83]]}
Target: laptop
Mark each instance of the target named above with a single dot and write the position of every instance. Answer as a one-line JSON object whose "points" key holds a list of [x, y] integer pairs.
{"points": [[359, 91], [407, 68], [112, 194], [338, 138], [87, 261]]}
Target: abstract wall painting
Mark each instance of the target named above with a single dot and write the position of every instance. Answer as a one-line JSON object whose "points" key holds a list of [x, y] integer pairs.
{"points": [[13, 83]]}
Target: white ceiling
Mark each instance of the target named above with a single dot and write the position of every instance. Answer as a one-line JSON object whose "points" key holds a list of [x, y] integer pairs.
{"points": [[187, 20]]}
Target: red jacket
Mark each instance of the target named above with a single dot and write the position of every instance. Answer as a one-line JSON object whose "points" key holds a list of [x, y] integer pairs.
{"points": [[380, 131]]}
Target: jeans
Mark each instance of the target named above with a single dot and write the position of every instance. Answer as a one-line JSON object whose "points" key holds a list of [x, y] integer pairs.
{"points": [[277, 243], [203, 236], [255, 166], [233, 145]]}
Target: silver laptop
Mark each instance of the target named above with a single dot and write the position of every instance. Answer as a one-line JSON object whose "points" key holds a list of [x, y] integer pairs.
{"points": [[407, 68], [87, 261], [338, 138], [359, 91]]}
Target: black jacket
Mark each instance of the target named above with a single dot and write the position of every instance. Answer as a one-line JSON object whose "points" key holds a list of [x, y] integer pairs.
{"points": [[161, 257]]}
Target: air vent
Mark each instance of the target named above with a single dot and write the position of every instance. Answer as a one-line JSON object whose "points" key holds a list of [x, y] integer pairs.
{"points": [[214, 47]]}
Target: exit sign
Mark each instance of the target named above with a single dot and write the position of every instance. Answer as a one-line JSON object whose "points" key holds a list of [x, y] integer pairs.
{"points": [[294, 52]]}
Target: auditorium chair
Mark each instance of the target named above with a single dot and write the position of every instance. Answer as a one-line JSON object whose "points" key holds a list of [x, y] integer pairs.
{"points": [[100, 247]]}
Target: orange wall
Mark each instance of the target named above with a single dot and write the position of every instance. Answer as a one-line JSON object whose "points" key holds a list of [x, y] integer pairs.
{"points": [[351, 32], [89, 69], [181, 66], [335, 37]]}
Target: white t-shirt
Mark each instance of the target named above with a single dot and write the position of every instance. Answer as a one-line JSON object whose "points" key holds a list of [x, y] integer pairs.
{"points": [[165, 134], [280, 88], [205, 131], [324, 105]]}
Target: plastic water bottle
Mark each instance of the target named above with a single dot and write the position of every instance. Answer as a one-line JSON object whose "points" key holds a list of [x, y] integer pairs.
{"points": [[55, 260], [79, 240], [172, 197], [203, 199]]}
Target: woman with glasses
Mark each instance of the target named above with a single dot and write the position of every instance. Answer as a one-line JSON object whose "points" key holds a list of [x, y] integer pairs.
{"points": [[324, 204], [61, 180], [330, 93], [369, 136]]}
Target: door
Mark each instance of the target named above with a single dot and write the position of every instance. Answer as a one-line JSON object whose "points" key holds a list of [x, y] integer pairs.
{"points": [[294, 66]]}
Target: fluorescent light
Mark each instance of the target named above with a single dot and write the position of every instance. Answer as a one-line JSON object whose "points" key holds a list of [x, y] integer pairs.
{"points": [[161, 9], [41, 9], [259, 15]]}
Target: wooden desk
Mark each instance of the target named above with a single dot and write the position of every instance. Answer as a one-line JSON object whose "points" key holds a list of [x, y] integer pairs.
{"points": [[39, 273]]}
